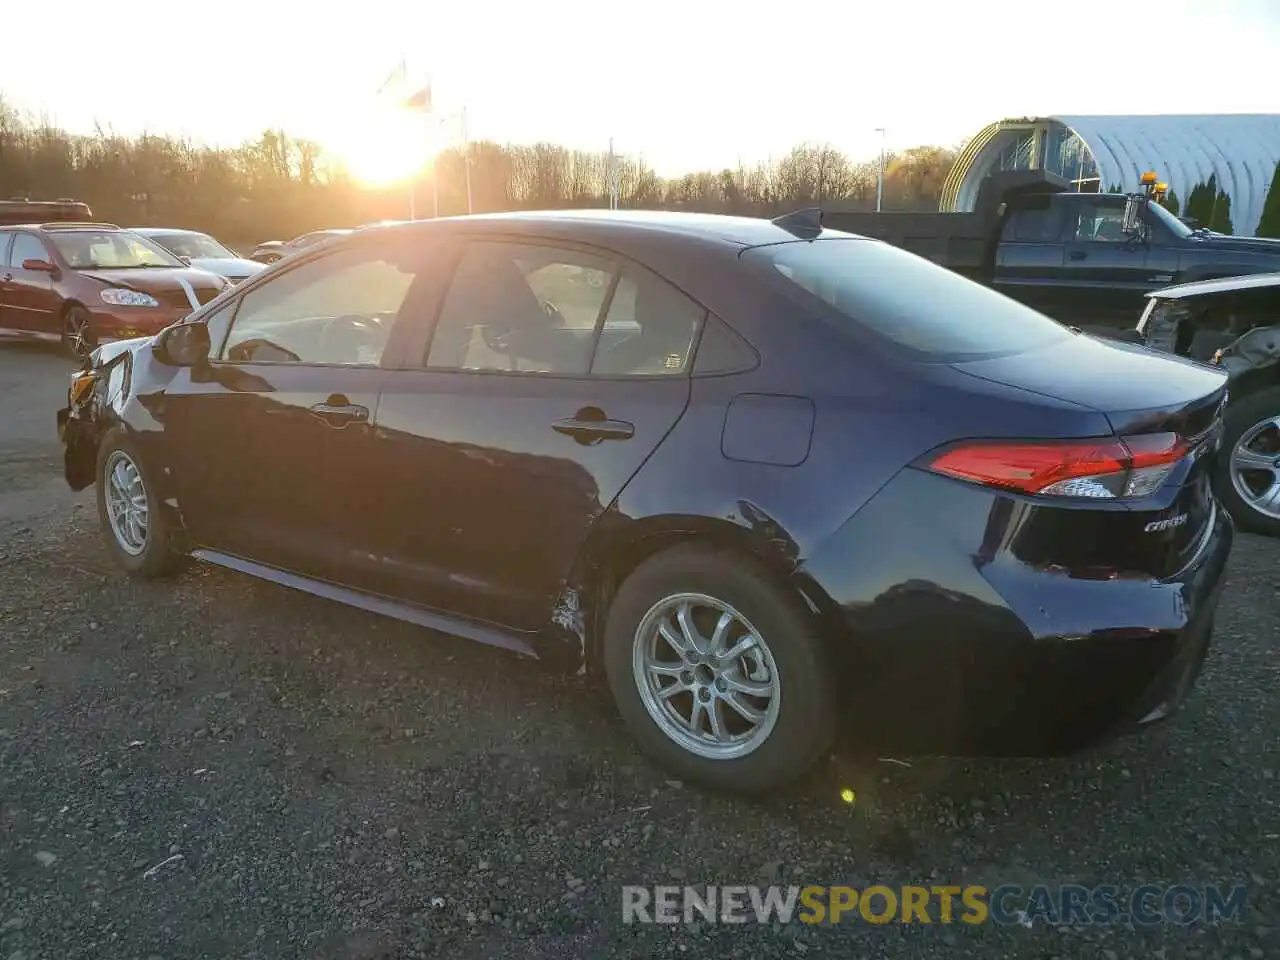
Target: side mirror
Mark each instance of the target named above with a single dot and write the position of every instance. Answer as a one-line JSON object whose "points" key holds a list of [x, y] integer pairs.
{"points": [[43, 266], [183, 345], [1132, 224]]}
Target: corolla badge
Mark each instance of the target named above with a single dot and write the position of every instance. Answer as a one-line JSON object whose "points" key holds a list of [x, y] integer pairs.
{"points": [[1155, 526]]}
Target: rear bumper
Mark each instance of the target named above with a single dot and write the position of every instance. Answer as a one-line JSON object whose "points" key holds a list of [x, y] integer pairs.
{"points": [[973, 655]]}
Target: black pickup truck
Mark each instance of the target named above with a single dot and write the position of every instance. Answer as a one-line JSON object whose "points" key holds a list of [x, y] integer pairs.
{"points": [[1071, 255]]}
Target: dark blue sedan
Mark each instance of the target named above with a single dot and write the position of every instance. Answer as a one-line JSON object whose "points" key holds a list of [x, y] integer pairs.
{"points": [[772, 481]]}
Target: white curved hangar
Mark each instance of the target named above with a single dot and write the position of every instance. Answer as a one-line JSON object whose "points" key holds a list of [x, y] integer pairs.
{"points": [[1105, 152]]}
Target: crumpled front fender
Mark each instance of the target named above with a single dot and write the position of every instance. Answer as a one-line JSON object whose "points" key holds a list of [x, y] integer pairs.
{"points": [[1258, 348]]}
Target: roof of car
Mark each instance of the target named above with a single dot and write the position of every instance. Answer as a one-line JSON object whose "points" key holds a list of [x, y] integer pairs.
{"points": [[1220, 285], [735, 231]]}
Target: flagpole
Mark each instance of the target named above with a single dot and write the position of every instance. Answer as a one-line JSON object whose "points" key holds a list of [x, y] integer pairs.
{"points": [[435, 186], [466, 157]]}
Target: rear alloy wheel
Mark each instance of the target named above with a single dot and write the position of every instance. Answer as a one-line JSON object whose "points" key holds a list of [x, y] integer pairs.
{"points": [[78, 337], [706, 676], [719, 674], [1248, 479], [133, 522]]}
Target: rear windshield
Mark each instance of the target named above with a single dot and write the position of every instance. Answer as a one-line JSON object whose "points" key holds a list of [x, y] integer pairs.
{"points": [[913, 303]]}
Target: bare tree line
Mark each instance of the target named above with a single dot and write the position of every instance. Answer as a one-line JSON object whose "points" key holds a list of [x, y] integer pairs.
{"points": [[278, 186]]}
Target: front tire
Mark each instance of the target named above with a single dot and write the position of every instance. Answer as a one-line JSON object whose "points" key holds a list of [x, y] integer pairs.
{"points": [[1248, 473], [134, 524], [717, 672], [78, 335]]}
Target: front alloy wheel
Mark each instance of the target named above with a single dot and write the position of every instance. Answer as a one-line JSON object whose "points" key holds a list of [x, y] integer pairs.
{"points": [[1247, 474], [126, 500], [77, 333], [134, 524], [1255, 467]]}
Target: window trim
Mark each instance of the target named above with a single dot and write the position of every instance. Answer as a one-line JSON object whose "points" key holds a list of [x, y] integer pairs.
{"points": [[14, 243], [394, 346], [1054, 221], [6, 244], [1095, 205], [620, 261], [710, 319]]}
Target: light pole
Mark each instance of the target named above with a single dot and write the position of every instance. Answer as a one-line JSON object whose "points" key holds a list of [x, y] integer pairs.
{"points": [[612, 177], [880, 175]]}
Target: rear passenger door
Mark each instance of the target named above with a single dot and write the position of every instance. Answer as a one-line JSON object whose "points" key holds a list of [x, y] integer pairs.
{"points": [[6, 278], [549, 376], [30, 300], [1030, 257]]}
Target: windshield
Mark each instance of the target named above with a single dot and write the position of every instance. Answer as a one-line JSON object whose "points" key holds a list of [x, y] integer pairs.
{"points": [[913, 303], [1178, 228], [110, 249], [193, 245]]}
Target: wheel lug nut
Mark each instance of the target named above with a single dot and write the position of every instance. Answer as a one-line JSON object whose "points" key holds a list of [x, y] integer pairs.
{"points": [[704, 694]]}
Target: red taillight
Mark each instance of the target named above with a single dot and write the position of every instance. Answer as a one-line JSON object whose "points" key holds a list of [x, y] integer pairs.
{"points": [[1118, 468]]}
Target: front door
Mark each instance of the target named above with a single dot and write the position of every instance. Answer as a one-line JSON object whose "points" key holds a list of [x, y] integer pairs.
{"points": [[1106, 270], [552, 373], [270, 441]]}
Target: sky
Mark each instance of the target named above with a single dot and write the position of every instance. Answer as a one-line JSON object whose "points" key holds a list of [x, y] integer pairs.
{"points": [[686, 84]]}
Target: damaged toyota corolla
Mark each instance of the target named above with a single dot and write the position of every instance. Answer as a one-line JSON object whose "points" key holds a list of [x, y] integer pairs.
{"points": [[771, 481], [1233, 323]]}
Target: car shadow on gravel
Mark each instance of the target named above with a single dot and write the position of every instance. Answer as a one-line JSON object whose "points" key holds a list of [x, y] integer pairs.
{"points": [[223, 767]]}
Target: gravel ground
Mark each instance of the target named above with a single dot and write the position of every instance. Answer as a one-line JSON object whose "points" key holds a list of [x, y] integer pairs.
{"points": [[217, 767]]}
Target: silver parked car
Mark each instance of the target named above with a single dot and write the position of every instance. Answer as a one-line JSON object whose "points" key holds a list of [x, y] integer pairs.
{"points": [[1233, 323], [203, 252]]}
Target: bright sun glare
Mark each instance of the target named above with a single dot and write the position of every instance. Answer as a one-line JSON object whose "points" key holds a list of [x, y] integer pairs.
{"points": [[382, 146]]}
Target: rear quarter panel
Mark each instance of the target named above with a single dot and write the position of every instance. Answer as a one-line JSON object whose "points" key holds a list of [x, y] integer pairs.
{"points": [[871, 416]]}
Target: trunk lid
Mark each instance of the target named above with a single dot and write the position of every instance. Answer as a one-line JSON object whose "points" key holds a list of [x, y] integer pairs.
{"points": [[1142, 394]]}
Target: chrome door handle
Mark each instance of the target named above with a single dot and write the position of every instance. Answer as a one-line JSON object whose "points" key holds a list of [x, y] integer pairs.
{"points": [[338, 411], [588, 429]]}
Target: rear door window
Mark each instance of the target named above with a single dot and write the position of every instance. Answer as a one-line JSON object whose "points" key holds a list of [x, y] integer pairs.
{"points": [[1031, 225], [866, 287]]}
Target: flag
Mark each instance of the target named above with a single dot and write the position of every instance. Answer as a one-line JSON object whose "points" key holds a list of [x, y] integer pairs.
{"points": [[398, 88], [420, 100]]}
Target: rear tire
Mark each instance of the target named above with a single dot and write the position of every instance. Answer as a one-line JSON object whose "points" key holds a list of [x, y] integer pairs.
{"points": [[748, 722], [1250, 426], [134, 524]]}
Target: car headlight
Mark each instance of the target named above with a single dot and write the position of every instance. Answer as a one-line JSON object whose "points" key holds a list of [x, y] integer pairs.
{"points": [[120, 297]]}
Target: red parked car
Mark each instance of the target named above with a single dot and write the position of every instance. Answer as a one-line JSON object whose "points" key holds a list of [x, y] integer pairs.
{"points": [[80, 283]]}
